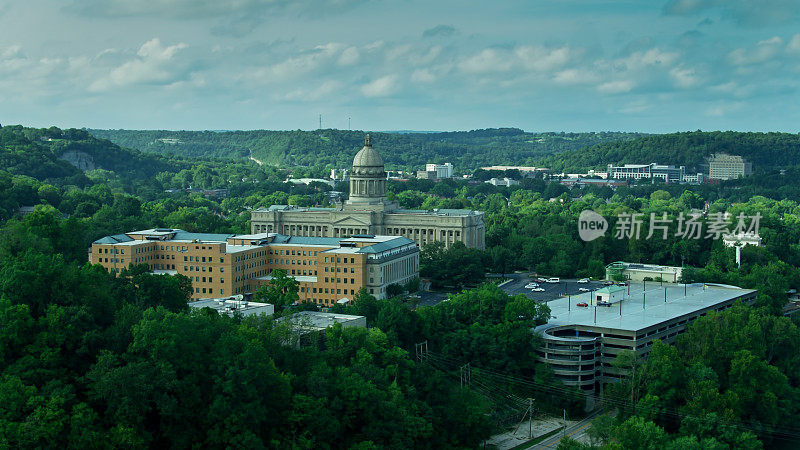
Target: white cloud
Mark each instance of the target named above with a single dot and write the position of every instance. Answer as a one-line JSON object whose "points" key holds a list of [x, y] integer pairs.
{"points": [[422, 76], [380, 87], [313, 94], [542, 59], [349, 56], [153, 64], [761, 53], [486, 61], [794, 45], [684, 77], [615, 87], [575, 77]]}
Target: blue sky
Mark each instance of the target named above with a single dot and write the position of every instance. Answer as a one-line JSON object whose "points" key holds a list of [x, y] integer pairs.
{"points": [[568, 65]]}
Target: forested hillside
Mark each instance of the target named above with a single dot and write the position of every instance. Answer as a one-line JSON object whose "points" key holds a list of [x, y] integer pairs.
{"points": [[335, 148], [764, 150], [77, 148]]}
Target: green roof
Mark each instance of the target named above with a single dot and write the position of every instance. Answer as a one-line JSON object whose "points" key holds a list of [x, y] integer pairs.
{"points": [[609, 290], [386, 245]]}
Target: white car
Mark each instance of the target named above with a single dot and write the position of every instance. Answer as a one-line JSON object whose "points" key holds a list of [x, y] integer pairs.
{"points": [[531, 285], [538, 289], [584, 289], [583, 280]]}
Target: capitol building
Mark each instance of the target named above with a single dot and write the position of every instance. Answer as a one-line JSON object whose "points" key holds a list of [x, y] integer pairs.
{"points": [[368, 212]]}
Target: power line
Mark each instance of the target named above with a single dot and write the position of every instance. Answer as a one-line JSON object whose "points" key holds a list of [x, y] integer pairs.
{"points": [[477, 373]]}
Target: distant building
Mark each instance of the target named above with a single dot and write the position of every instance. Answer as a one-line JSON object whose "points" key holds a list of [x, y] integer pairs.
{"points": [[235, 305], [722, 166], [524, 169], [667, 174], [442, 170], [308, 181], [368, 211], [697, 178], [502, 182], [581, 182], [638, 272], [427, 175], [581, 342], [589, 174], [741, 239]]}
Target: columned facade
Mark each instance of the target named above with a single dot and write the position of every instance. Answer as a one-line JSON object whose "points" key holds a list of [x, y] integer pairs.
{"points": [[367, 211]]}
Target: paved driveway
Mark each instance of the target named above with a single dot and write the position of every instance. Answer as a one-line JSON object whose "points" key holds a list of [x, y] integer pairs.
{"points": [[552, 291]]}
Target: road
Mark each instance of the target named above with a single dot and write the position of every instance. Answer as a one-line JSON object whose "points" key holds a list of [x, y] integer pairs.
{"points": [[552, 291], [577, 432]]}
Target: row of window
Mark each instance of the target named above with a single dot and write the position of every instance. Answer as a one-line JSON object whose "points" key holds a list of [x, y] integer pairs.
{"points": [[340, 280]]}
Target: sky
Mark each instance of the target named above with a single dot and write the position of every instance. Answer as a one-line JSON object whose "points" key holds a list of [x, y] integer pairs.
{"points": [[547, 65]]}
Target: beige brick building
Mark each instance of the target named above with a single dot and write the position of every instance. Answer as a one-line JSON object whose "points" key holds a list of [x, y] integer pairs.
{"points": [[220, 265], [368, 211]]}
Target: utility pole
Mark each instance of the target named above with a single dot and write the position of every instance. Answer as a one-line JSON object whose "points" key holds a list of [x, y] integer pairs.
{"points": [[465, 375], [528, 410], [320, 121], [421, 350], [348, 124]]}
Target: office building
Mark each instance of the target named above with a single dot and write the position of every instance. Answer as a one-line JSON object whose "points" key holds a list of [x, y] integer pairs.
{"points": [[502, 182], [652, 171], [581, 342], [618, 271], [368, 211], [442, 170], [722, 166], [219, 265]]}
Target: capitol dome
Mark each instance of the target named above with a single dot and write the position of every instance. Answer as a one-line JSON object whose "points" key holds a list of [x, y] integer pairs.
{"points": [[368, 160], [368, 178]]}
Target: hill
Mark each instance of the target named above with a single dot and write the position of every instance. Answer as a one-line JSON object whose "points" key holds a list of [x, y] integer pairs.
{"points": [[765, 150], [465, 149], [52, 153]]}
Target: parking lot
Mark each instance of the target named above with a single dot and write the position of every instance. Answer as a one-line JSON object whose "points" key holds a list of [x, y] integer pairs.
{"points": [[552, 291]]}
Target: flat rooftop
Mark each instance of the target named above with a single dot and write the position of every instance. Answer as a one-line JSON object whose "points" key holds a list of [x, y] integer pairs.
{"points": [[233, 306], [320, 320], [634, 316]]}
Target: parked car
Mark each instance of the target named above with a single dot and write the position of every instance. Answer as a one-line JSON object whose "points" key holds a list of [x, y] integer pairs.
{"points": [[607, 283], [541, 280], [553, 280], [603, 303], [584, 289], [583, 304], [622, 283], [531, 285], [537, 289], [583, 280]]}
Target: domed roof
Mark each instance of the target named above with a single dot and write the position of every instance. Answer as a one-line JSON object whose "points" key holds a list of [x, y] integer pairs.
{"points": [[367, 156]]}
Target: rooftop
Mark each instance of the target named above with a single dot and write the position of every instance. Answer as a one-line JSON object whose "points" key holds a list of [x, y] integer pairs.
{"points": [[320, 320], [641, 308], [231, 306]]}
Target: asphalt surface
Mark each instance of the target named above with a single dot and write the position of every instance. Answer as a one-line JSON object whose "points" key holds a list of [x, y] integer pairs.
{"points": [[552, 291], [577, 432]]}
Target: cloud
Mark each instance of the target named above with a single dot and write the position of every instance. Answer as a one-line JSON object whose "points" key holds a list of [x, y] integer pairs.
{"points": [[381, 87], [439, 31], [616, 87], [523, 58], [684, 77], [193, 9], [315, 93], [153, 64], [747, 12], [422, 76], [794, 45], [763, 51]]}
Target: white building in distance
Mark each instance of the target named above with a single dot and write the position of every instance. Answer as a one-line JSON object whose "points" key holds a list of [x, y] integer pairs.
{"points": [[722, 166]]}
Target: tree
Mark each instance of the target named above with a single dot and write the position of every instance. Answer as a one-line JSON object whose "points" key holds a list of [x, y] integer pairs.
{"points": [[281, 290]]}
